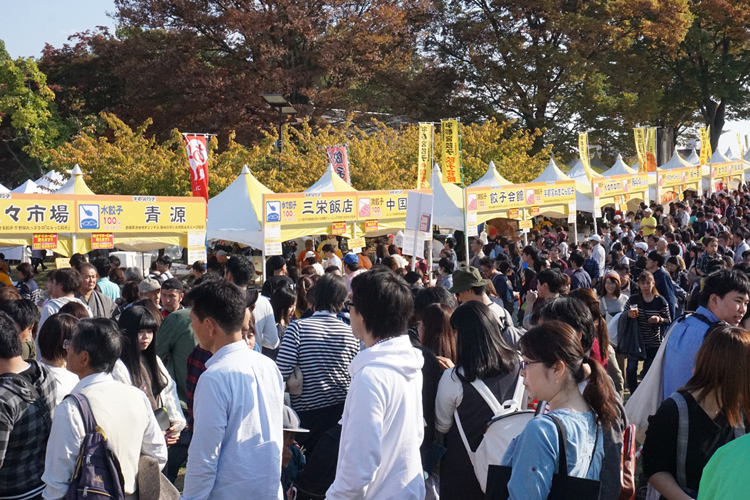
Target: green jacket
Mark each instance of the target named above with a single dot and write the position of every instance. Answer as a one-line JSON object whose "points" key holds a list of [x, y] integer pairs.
{"points": [[174, 343]]}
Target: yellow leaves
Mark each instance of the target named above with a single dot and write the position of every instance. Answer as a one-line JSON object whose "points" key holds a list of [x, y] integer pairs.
{"points": [[126, 161]]}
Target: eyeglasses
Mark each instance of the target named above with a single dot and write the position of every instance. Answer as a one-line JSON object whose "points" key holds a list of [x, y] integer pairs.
{"points": [[67, 344], [525, 364]]}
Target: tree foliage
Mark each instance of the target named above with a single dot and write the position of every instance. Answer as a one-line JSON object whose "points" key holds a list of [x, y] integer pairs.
{"points": [[116, 159]]}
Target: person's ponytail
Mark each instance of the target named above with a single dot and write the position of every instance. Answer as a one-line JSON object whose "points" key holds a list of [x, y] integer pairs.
{"points": [[600, 394]]}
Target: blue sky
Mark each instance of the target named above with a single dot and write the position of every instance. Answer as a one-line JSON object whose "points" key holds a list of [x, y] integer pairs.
{"points": [[30, 24]]}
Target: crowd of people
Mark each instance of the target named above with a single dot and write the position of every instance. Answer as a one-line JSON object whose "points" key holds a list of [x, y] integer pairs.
{"points": [[365, 375]]}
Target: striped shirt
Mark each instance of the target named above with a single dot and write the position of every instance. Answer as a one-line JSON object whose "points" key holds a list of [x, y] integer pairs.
{"points": [[323, 347]]}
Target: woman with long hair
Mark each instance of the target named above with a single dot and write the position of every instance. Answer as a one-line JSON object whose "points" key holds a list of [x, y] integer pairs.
{"points": [[553, 367], [53, 336], [140, 367], [436, 332], [304, 284], [611, 300], [588, 297], [283, 303], [481, 355], [715, 402], [652, 313]]}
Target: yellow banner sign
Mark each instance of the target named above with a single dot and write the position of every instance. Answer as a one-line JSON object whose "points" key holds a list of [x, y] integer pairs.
{"points": [[640, 147], [724, 170], [356, 242], [304, 208], [426, 131], [550, 193], [451, 144], [33, 213], [511, 198], [149, 214], [583, 152], [678, 177], [705, 146], [524, 224], [620, 185]]}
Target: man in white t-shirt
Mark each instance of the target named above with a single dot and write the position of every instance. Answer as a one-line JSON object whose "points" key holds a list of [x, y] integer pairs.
{"points": [[597, 252]]}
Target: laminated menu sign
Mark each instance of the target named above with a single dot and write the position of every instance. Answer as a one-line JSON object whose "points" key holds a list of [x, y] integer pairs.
{"points": [[44, 241], [102, 241]]}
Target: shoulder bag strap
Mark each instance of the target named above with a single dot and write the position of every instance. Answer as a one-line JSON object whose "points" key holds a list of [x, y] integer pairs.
{"points": [[682, 437], [89, 422], [487, 395], [562, 440]]}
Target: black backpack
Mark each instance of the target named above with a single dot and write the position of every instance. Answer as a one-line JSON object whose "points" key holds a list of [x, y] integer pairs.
{"points": [[97, 474]]}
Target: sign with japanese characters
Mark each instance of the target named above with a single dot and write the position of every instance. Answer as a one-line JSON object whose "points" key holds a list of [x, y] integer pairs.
{"points": [[721, 173], [424, 160], [305, 208], [670, 184], [616, 188], [102, 241], [338, 228], [99, 214], [44, 241], [451, 143], [33, 213]]}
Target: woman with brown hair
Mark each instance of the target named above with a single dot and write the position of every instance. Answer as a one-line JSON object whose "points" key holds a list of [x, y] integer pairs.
{"points": [[652, 313], [437, 334], [704, 415], [554, 364]]}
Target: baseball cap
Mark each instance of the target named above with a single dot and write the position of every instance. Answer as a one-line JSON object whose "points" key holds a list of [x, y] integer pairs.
{"points": [[466, 278], [173, 284], [221, 252], [310, 255], [351, 258], [643, 246], [647, 209], [291, 421], [595, 237], [148, 285]]}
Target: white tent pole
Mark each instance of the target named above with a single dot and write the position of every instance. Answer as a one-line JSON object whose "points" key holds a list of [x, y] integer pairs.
{"points": [[466, 227]]}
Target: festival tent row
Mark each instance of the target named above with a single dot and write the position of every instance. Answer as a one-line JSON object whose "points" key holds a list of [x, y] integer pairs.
{"points": [[74, 219]]}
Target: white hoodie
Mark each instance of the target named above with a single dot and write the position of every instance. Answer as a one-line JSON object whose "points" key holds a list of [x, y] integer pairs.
{"points": [[382, 426]]}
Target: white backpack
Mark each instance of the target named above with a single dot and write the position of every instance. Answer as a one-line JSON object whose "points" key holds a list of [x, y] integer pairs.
{"points": [[508, 421]]}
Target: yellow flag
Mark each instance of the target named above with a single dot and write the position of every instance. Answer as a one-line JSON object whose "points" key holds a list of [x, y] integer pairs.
{"points": [[705, 146], [583, 151], [650, 150], [640, 148], [425, 155], [451, 139], [739, 141]]}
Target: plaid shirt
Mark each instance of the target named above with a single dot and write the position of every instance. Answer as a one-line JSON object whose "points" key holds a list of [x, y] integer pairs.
{"points": [[25, 424], [196, 365], [704, 260], [591, 266]]}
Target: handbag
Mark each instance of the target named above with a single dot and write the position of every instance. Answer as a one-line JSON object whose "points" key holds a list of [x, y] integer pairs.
{"points": [[162, 416], [564, 487]]}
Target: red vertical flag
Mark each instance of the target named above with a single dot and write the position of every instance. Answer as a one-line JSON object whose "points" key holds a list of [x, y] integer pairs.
{"points": [[197, 151], [338, 156]]}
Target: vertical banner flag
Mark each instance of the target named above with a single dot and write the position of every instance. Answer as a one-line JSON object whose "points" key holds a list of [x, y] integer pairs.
{"points": [[705, 146], [650, 150], [338, 156], [197, 151], [640, 148], [739, 141], [425, 155], [451, 138], [583, 151]]}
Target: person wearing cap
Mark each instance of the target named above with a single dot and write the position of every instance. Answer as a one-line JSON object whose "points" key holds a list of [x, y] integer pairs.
{"points": [[641, 249], [648, 223], [597, 252], [172, 292], [311, 259], [292, 458], [351, 268], [469, 285], [150, 288]]}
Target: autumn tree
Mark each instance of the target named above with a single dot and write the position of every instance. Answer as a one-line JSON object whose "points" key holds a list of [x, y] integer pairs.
{"points": [[117, 159], [535, 60], [29, 124]]}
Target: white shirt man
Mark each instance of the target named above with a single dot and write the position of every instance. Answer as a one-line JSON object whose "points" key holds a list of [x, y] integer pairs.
{"points": [[598, 253], [237, 439]]}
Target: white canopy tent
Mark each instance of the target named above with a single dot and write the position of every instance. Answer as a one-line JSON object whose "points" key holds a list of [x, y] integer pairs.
{"points": [[677, 162], [491, 178], [584, 202], [694, 158], [447, 202], [4, 189], [51, 181], [578, 173], [717, 157], [330, 181], [619, 168], [235, 213], [28, 187]]}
